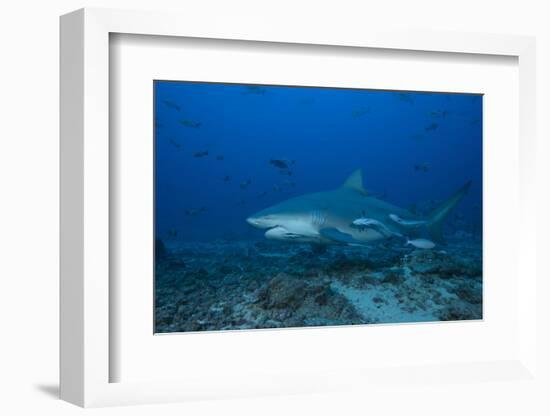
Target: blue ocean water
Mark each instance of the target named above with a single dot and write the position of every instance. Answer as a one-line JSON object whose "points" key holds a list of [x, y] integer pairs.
{"points": [[215, 144], [327, 132]]}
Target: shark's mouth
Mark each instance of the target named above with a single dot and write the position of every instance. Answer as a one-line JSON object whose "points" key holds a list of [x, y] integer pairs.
{"points": [[280, 232], [293, 235]]}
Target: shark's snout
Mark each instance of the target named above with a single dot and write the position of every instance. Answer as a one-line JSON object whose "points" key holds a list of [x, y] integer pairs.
{"points": [[255, 222], [263, 220]]}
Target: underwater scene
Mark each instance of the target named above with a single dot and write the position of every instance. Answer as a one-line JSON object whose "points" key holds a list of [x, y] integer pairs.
{"points": [[289, 206]]}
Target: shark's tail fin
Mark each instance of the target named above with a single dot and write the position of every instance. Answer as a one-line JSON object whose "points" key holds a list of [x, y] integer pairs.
{"points": [[440, 213]]}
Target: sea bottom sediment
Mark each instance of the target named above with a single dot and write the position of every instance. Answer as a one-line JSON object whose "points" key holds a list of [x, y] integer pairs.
{"points": [[230, 285]]}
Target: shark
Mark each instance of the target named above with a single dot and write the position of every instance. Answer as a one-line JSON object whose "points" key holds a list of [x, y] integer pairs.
{"points": [[349, 215]]}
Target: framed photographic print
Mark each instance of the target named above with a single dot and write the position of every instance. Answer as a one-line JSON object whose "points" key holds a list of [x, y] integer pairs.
{"points": [[323, 174], [264, 212]]}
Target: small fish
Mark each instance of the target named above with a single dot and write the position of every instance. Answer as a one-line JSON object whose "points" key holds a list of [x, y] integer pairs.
{"points": [[254, 89], [439, 114], [227, 178], [360, 112], [194, 212], [406, 97], [262, 194], [175, 143], [219, 157], [421, 243], [171, 104], [285, 172], [244, 184], [417, 136], [190, 123], [422, 167], [201, 154], [431, 127], [475, 122], [279, 163], [172, 232], [277, 188], [407, 223]]}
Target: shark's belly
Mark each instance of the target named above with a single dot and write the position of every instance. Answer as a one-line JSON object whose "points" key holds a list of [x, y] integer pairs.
{"points": [[367, 235]]}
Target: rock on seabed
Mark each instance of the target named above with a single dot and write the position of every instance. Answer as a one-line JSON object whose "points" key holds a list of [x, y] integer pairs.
{"points": [[262, 284]]}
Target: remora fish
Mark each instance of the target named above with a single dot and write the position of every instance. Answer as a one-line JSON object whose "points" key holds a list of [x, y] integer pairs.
{"points": [[407, 223], [327, 217], [421, 243], [364, 224]]}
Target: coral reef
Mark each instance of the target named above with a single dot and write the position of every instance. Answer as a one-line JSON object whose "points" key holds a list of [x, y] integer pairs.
{"points": [[227, 285]]}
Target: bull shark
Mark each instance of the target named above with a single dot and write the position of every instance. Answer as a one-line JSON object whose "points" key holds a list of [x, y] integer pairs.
{"points": [[348, 215]]}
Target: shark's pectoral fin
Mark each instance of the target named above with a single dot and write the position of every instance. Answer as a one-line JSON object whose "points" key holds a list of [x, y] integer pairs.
{"points": [[338, 236]]}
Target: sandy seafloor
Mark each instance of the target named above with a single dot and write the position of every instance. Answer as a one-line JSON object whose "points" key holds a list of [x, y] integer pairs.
{"points": [[228, 285]]}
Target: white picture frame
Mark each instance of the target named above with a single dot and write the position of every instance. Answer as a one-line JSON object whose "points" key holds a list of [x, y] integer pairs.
{"points": [[85, 209]]}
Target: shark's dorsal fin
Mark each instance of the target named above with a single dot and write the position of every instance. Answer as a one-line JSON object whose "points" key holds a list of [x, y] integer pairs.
{"points": [[355, 182]]}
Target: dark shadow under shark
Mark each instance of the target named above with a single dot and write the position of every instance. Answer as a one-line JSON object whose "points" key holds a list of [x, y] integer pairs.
{"points": [[348, 215]]}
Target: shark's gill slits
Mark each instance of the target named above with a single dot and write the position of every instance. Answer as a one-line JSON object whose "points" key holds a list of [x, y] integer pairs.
{"points": [[313, 216], [317, 218]]}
